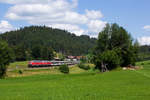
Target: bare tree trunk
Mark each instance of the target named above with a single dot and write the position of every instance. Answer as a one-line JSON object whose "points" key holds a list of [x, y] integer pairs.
{"points": [[103, 67]]}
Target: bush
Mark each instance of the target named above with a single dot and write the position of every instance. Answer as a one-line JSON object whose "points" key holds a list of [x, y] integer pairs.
{"points": [[20, 71], [83, 60], [83, 66], [64, 69]]}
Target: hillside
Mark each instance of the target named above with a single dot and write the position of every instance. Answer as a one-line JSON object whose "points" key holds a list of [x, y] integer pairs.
{"points": [[59, 40]]}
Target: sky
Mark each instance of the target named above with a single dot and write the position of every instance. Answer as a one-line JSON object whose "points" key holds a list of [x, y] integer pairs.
{"points": [[81, 17]]}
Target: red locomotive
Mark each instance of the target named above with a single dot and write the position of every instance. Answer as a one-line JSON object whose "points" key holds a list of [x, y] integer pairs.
{"points": [[39, 63]]}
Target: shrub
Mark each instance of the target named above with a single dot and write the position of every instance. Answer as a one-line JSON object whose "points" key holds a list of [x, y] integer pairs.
{"points": [[64, 69], [20, 71], [83, 66]]}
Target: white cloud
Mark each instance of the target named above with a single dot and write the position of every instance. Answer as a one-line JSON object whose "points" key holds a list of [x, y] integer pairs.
{"points": [[5, 26], [144, 40], [25, 1], [43, 14], [147, 27], [69, 27], [93, 14], [75, 2], [60, 13], [96, 26]]}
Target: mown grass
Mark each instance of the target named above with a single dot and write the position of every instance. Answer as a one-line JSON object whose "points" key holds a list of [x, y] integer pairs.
{"points": [[86, 85], [123, 85], [146, 68]]}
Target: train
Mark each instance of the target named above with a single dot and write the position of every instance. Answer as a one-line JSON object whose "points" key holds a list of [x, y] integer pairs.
{"points": [[39, 63], [45, 63]]}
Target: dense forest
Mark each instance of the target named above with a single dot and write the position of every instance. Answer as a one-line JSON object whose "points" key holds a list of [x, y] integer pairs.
{"points": [[39, 42], [144, 53], [31, 42]]}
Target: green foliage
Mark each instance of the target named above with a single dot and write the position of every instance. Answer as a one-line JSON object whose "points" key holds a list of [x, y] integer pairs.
{"points": [[20, 71], [37, 42], [3, 70], [142, 63], [90, 57], [130, 55], [115, 47], [64, 69], [6, 57], [20, 53], [42, 52], [144, 53], [84, 66], [60, 56], [110, 58], [83, 60]]}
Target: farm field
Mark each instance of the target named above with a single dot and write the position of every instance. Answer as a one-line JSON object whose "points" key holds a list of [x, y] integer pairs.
{"points": [[80, 85]]}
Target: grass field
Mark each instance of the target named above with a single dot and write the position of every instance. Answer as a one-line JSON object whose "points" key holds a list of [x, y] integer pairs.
{"points": [[13, 70], [22, 64], [80, 85]]}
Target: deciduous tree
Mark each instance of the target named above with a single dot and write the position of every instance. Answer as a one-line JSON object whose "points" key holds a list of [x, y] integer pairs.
{"points": [[5, 58], [115, 47]]}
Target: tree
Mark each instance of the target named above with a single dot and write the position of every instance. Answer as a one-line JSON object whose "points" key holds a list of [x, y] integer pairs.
{"points": [[114, 48], [47, 53], [6, 56], [109, 58], [42, 52], [36, 52], [20, 53]]}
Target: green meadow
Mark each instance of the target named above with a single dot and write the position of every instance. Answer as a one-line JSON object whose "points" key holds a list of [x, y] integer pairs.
{"points": [[78, 85]]}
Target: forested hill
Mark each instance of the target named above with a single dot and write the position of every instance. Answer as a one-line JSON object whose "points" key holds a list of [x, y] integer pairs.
{"points": [[58, 40]]}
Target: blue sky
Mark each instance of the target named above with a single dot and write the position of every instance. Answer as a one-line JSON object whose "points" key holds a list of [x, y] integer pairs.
{"points": [[78, 16], [132, 14]]}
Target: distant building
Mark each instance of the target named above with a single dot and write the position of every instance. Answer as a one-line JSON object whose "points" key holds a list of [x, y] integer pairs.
{"points": [[57, 59], [71, 57], [75, 58], [79, 57]]}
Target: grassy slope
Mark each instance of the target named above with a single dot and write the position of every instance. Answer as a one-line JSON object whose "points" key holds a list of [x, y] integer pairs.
{"points": [[146, 68], [13, 70], [115, 85], [21, 64]]}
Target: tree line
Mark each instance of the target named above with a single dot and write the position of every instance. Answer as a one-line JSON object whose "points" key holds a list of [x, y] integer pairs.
{"points": [[39, 42], [144, 53]]}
